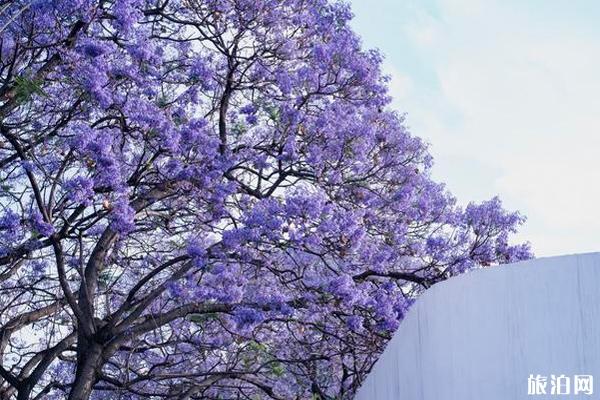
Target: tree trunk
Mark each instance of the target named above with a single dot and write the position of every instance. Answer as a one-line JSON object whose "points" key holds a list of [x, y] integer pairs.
{"points": [[89, 362]]}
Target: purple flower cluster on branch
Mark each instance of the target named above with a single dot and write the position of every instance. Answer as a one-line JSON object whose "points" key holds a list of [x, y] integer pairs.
{"points": [[211, 199]]}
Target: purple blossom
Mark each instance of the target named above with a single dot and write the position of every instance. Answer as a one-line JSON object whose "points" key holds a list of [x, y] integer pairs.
{"points": [[345, 288], [252, 119], [28, 166], [355, 322], [127, 13], [197, 251], [80, 190], [40, 226], [248, 109], [284, 82], [93, 49], [11, 229], [247, 317], [122, 216], [200, 71], [175, 289], [38, 268]]}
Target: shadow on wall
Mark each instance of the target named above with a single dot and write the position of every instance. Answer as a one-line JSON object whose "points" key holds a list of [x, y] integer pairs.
{"points": [[529, 330]]}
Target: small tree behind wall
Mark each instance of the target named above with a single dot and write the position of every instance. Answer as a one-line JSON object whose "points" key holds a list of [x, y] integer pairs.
{"points": [[210, 199]]}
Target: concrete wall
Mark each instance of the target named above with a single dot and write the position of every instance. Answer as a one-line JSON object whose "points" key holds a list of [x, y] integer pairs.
{"points": [[480, 335]]}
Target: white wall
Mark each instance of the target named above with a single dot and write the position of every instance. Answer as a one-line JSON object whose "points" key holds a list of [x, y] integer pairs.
{"points": [[480, 335]]}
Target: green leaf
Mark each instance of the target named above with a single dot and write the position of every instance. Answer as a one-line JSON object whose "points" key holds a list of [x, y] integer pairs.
{"points": [[239, 128], [273, 112], [104, 278], [277, 369], [200, 319], [25, 88], [258, 347]]}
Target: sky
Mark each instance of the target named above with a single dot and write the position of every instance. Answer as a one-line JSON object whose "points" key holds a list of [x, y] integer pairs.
{"points": [[507, 94]]}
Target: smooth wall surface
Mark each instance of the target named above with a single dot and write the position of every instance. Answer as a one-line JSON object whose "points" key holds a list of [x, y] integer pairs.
{"points": [[480, 335]]}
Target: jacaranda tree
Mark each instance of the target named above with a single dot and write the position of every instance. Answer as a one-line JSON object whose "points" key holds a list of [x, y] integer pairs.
{"points": [[210, 199]]}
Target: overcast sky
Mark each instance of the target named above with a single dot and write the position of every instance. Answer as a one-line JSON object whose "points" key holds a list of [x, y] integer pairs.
{"points": [[507, 93]]}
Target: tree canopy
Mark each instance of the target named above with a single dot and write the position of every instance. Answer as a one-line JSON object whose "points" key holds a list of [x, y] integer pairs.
{"points": [[211, 199]]}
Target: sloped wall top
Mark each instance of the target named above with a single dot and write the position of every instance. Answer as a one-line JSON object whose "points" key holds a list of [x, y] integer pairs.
{"points": [[481, 335]]}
